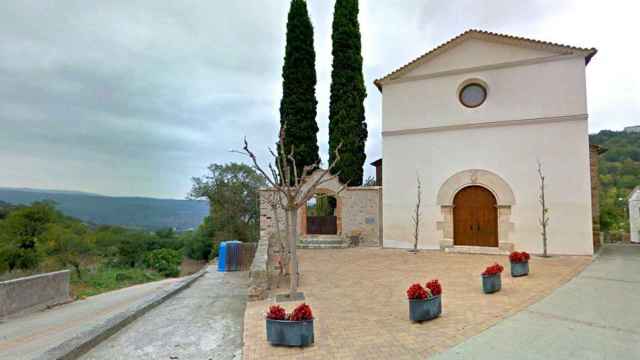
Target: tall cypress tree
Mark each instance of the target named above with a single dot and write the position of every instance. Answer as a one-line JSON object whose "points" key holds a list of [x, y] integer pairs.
{"points": [[298, 105], [346, 109]]}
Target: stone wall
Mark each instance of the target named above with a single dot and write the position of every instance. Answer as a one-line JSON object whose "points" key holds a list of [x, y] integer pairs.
{"points": [[359, 215], [34, 292]]}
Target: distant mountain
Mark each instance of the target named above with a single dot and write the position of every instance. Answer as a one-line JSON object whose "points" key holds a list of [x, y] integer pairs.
{"points": [[132, 212]]}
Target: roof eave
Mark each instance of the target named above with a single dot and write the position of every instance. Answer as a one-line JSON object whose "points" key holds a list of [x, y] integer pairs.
{"points": [[588, 53]]}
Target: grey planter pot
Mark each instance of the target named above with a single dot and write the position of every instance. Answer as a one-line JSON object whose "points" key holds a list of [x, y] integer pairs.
{"points": [[491, 283], [290, 333], [519, 269], [425, 309]]}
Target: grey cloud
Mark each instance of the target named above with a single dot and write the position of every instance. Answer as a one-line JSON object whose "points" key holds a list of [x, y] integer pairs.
{"points": [[135, 97]]}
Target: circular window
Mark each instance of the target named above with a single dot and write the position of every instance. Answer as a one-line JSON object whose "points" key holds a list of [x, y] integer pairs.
{"points": [[473, 95]]}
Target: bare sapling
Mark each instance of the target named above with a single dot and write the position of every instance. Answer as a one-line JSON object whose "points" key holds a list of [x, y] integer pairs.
{"points": [[417, 214], [294, 190], [544, 216]]}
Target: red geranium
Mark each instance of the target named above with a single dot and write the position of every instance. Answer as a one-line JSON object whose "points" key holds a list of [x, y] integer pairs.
{"points": [[302, 312], [435, 287], [519, 257], [276, 312], [493, 269], [416, 291]]}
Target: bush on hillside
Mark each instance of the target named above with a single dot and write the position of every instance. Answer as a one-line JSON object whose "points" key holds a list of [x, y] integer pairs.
{"points": [[165, 261]]}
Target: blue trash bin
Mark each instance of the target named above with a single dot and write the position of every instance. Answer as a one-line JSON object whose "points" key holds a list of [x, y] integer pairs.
{"points": [[229, 256], [222, 256]]}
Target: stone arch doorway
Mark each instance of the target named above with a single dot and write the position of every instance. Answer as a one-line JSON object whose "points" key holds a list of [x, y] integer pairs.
{"points": [[475, 217], [489, 181]]}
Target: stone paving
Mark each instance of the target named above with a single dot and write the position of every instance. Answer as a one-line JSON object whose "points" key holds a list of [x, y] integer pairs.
{"points": [[358, 299]]}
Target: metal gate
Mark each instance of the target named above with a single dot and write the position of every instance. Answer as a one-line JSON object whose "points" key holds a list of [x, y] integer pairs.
{"points": [[322, 225]]}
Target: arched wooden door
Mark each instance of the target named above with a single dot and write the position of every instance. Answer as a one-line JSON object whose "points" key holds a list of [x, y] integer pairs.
{"points": [[475, 217]]}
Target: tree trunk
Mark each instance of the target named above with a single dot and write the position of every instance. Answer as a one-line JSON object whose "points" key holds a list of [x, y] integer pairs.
{"points": [[293, 239], [281, 246]]}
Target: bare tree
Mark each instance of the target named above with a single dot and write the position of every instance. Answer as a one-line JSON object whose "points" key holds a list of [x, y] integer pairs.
{"points": [[294, 190], [544, 216], [416, 215]]}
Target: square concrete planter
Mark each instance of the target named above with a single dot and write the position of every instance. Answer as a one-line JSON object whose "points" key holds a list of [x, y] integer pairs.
{"points": [[491, 283], [519, 268], [425, 309], [290, 333]]}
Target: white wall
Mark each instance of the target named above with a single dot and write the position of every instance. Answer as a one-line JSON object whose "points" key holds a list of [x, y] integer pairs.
{"points": [[533, 91], [476, 52], [542, 90], [509, 151]]}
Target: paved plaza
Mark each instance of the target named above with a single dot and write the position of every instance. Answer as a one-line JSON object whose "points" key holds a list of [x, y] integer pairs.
{"points": [[359, 301]]}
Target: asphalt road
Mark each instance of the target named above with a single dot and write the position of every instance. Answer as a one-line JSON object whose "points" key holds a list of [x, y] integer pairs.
{"points": [[28, 336]]}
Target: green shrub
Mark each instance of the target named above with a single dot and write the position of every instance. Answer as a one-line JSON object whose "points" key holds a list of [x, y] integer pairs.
{"points": [[105, 278], [165, 261], [198, 246]]}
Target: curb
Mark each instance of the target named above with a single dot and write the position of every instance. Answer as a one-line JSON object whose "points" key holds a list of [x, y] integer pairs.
{"points": [[81, 344]]}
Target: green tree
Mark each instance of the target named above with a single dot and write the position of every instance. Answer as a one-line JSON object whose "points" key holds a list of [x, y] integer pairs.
{"points": [[298, 105], [619, 169], [70, 243], [201, 244], [166, 233], [22, 232], [347, 124], [232, 190]]}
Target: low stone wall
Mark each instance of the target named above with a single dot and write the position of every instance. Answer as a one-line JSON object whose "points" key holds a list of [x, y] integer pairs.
{"points": [[259, 272], [34, 292]]}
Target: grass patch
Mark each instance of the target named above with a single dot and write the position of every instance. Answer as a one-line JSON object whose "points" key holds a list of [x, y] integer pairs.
{"points": [[105, 278]]}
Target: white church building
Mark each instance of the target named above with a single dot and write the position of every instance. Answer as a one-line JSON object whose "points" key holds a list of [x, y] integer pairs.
{"points": [[472, 118]]}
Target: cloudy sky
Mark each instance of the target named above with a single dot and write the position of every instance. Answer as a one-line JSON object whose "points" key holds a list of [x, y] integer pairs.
{"points": [[136, 97]]}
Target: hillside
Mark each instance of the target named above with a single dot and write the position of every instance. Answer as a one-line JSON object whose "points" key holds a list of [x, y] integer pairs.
{"points": [[133, 212], [619, 174]]}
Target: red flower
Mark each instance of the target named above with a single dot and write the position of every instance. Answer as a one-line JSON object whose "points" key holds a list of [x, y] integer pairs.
{"points": [[435, 287], [302, 312], [519, 257], [276, 312], [416, 291], [493, 269]]}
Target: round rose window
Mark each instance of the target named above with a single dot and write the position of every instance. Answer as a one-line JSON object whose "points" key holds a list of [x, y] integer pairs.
{"points": [[473, 95]]}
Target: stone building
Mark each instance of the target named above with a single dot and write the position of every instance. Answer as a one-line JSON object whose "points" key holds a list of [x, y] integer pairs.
{"points": [[337, 216], [474, 116]]}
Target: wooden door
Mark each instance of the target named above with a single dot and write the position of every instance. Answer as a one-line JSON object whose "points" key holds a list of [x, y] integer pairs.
{"points": [[475, 217]]}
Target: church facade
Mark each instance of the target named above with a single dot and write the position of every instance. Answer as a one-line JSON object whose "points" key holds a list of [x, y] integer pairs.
{"points": [[473, 119]]}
